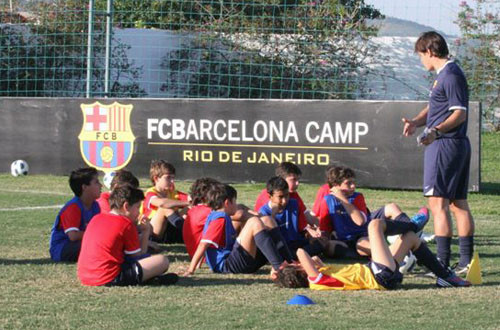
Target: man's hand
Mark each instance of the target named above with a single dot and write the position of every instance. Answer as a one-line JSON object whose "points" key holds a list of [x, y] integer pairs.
{"points": [[409, 127]]}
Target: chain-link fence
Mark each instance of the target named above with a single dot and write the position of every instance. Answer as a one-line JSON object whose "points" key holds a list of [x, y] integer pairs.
{"points": [[301, 49]]}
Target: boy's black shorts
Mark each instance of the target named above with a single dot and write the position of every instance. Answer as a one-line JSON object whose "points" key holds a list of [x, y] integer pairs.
{"points": [[130, 274], [240, 261], [71, 251], [386, 277]]}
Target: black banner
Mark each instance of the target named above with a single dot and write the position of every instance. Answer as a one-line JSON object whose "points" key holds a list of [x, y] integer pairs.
{"points": [[231, 140]]}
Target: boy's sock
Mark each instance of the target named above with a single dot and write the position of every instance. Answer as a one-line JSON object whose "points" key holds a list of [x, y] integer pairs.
{"points": [[466, 245], [265, 244], [280, 243], [428, 259], [400, 225], [443, 249]]}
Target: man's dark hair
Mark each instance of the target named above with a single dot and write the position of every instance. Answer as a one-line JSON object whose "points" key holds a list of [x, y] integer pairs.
{"points": [[159, 168], [125, 193], [434, 42], [292, 277], [218, 194], [79, 177], [336, 175], [200, 188], [276, 183], [286, 168], [123, 177]]}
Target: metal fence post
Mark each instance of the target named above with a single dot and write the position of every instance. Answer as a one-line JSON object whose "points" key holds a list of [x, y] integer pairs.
{"points": [[89, 47], [109, 22]]}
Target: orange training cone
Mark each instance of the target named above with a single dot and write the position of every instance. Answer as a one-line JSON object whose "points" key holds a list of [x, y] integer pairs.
{"points": [[474, 272]]}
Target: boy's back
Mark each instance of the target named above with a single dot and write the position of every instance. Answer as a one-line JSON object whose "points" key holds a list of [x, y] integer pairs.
{"points": [[108, 238], [221, 235], [193, 227]]}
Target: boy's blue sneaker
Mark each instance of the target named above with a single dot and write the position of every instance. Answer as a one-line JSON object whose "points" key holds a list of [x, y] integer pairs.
{"points": [[421, 218], [452, 281]]}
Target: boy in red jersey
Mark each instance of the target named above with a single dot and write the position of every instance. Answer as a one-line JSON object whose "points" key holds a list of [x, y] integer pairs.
{"points": [[164, 204], [121, 177], [226, 253], [72, 220], [111, 247], [197, 214], [381, 273], [291, 173]]}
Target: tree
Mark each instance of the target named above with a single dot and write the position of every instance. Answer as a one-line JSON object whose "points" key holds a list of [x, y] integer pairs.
{"points": [[47, 56], [480, 54], [274, 49]]}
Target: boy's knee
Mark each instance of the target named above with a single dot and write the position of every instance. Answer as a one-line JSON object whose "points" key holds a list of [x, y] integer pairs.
{"points": [[376, 224], [164, 262], [392, 209]]}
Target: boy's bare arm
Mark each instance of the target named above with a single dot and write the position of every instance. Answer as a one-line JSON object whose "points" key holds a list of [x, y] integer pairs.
{"points": [[355, 214], [198, 255], [307, 263], [168, 203], [75, 235], [145, 229]]}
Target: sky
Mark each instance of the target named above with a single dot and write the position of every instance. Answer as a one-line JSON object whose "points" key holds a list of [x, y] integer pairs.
{"points": [[438, 14]]}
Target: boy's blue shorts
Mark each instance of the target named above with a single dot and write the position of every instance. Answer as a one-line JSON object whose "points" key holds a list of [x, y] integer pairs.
{"points": [[240, 261], [446, 168], [389, 279]]}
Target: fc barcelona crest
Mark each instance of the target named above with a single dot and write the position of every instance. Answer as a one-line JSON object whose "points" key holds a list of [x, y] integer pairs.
{"points": [[106, 139]]}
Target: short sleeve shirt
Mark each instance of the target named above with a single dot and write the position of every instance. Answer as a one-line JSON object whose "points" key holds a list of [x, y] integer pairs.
{"points": [[449, 92], [325, 221]]}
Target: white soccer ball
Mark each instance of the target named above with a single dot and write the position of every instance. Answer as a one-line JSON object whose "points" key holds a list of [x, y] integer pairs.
{"points": [[408, 263], [108, 178], [19, 167]]}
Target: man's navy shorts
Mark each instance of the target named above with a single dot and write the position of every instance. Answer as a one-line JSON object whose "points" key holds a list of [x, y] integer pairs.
{"points": [[446, 168]]}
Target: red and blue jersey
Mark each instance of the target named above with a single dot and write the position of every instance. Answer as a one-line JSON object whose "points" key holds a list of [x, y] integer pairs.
{"points": [[290, 221], [263, 199], [193, 227], [72, 217], [333, 216], [221, 235]]}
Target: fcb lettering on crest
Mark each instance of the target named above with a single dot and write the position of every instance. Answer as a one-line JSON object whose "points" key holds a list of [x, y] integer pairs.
{"points": [[106, 139]]}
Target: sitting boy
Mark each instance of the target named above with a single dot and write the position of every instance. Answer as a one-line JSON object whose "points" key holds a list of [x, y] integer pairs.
{"points": [[344, 211], [291, 222], [73, 218], [381, 273], [121, 177], [197, 214], [259, 241], [291, 174], [111, 247], [162, 203]]}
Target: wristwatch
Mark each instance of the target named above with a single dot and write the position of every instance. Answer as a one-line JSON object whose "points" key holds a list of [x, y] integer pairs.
{"points": [[437, 132]]}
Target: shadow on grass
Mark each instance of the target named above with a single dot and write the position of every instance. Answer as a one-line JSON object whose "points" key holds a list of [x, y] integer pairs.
{"points": [[222, 280], [44, 261]]}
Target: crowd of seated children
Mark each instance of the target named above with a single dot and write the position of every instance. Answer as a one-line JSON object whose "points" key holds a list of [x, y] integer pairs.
{"points": [[101, 231]]}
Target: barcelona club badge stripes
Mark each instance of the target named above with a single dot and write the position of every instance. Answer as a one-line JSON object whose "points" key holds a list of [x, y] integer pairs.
{"points": [[106, 139]]}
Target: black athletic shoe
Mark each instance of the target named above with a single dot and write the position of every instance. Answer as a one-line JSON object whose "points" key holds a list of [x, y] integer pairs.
{"points": [[165, 279], [451, 281]]}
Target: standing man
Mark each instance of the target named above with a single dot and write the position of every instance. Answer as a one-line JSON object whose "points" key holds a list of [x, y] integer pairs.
{"points": [[447, 152]]}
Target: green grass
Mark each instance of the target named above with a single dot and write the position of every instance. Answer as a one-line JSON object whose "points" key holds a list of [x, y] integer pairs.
{"points": [[35, 293]]}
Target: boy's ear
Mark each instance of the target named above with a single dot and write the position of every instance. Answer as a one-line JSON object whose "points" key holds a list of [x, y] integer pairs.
{"points": [[126, 206]]}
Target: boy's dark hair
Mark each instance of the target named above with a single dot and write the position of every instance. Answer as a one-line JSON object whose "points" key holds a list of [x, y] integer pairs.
{"points": [[200, 188], [286, 168], [79, 177], [159, 168], [434, 42], [336, 175], [276, 183], [292, 277], [218, 194], [125, 193], [123, 177]]}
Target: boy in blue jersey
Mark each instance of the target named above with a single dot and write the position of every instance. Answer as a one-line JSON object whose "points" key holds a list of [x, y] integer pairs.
{"points": [[448, 151], [287, 214], [73, 218], [344, 212], [258, 242]]}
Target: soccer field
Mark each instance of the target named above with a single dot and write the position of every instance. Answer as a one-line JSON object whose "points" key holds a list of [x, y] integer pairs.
{"points": [[36, 293]]}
